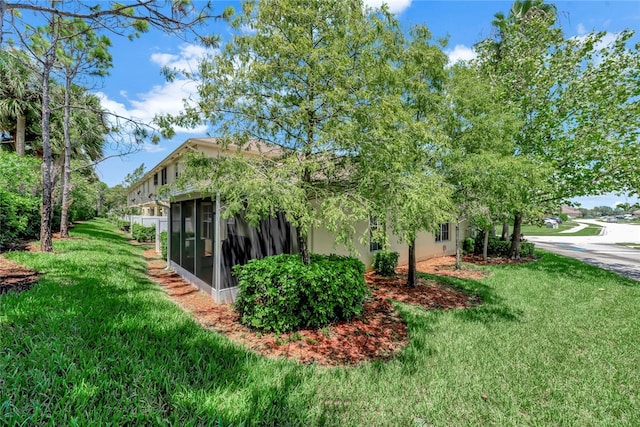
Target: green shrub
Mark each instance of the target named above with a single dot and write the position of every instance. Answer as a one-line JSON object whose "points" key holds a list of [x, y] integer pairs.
{"points": [[123, 225], [527, 249], [163, 244], [143, 234], [280, 293], [501, 248], [468, 245], [495, 247], [19, 217], [385, 262], [120, 223]]}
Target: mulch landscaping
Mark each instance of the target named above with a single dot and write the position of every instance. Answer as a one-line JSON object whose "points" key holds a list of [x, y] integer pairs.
{"points": [[14, 277], [378, 334]]}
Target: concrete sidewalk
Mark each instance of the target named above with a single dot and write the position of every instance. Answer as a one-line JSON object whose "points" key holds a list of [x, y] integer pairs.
{"points": [[601, 250]]}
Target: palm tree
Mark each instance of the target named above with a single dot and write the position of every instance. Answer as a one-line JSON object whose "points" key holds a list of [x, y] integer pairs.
{"points": [[523, 11], [82, 142], [19, 95]]}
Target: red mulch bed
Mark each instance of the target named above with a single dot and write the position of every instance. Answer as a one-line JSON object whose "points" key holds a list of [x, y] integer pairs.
{"points": [[14, 277], [378, 334]]}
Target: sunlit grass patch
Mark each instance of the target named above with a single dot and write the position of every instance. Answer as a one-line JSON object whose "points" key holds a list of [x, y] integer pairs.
{"points": [[95, 342]]}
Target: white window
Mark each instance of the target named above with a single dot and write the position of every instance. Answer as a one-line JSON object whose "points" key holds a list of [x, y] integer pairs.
{"points": [[443, 235], [373, 228]]}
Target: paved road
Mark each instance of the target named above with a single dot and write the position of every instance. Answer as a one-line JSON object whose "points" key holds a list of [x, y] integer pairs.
{"points": [[601, 250]]}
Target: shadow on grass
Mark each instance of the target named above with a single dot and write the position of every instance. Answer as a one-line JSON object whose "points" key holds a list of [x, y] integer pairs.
{"points": [[560, 265], [99, 229], [97, 338], [424, 323], [493, 307]]}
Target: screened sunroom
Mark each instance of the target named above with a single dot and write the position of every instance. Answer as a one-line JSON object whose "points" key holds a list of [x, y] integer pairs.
{"points": [[203, 247]]}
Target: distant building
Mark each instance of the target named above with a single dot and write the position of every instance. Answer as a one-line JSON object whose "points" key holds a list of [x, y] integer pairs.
{"points": [[571, 212]]}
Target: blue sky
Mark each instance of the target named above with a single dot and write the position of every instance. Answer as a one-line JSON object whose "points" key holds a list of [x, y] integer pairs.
{"points": [[136, 87]]}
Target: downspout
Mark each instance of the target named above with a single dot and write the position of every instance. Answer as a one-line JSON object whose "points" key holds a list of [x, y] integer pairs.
{"points": [[217, 256]]}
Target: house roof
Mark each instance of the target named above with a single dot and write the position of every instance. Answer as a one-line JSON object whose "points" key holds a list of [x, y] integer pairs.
{"points": [[569, 210], [252, 147]]}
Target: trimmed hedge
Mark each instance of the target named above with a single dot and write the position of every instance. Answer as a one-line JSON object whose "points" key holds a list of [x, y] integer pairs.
{"points": [[385, 262], [499, 247], [280, 293]]}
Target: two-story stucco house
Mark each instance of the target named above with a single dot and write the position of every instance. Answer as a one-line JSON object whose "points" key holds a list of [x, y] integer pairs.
{"points": [[203, 246]]}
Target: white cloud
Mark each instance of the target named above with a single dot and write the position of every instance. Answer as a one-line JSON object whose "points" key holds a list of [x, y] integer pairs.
{"points": [[461, 53], [605, 41], [161, 99], [581, 29], [395, 6], [247, 29], [165, 98], [153, 148], [187, 59]]}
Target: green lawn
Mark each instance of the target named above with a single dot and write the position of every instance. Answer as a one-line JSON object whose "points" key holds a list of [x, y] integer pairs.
{"points": [[97, 343], [534, 230], [630, 245]]}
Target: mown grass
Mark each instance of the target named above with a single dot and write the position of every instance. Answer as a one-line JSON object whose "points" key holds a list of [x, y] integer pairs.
{"points": [[630, 245], [535, 230], [96, 343]]}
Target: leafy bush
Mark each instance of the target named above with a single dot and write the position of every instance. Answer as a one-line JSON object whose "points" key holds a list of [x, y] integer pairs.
{"points": [[120, 223], [527, 249], [19, 198], [123, 225], [468, 245], [280, 293], [163, 244], [495, 247], [143, 234], [501, 248], [385, 262], [19, 217]]}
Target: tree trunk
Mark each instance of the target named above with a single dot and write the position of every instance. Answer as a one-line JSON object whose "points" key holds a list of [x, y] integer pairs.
{"points": [[3, 7], [303, 248], [505, 231], [485, 244], [66, 202], [458, 258], [66, 169], [514, 252], [46, 244], [411, 270], [21, 135]]}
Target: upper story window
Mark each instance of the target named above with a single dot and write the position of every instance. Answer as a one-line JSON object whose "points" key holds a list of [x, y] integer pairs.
{"points": [[155, 178], [373, 227], [163, 172], [443, 235], [177, 172]]}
